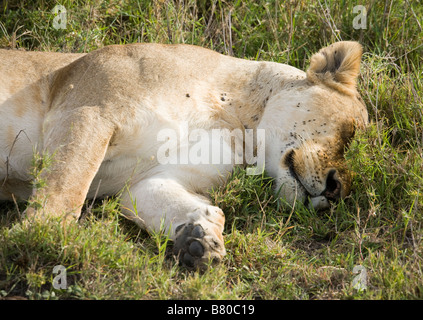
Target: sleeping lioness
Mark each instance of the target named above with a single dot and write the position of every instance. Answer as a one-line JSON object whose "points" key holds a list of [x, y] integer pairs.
{"points": [[106, 123]]}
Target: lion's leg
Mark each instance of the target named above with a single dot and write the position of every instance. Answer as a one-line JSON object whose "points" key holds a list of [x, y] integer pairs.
{"points": [[76, 142], [161, 202]]}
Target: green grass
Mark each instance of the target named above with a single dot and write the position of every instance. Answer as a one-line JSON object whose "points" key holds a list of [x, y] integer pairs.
{"points": [[274, 251]]}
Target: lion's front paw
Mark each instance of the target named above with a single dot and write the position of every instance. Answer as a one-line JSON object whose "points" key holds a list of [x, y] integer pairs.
{"points": [[196, 246]]}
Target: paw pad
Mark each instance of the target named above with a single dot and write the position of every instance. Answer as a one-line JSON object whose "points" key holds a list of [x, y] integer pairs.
{"points": [[195, 247]]}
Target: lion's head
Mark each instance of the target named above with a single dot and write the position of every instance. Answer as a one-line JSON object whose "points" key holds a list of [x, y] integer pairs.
{"points": [[310, 123]]}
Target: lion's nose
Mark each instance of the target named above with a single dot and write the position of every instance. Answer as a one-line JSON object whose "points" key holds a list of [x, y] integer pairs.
{"points": [[333, 187]]}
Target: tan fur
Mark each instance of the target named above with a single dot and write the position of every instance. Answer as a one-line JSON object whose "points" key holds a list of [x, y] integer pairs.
{"points": [[337, 66], [99, 116]]}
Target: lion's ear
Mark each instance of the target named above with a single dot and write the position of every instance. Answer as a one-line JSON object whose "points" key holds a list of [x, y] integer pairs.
{"points": [[337, 66]]}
